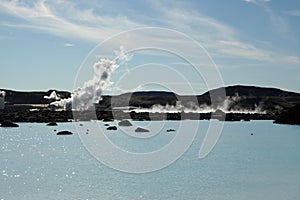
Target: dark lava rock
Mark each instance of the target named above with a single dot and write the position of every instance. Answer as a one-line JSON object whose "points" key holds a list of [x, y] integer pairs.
{"points": [[52, 124], [108, 120], [125, 123], [290, 116], [106, 125], [171, 130], [64, 133], [112, 128], [8, 123], [141, 130]]}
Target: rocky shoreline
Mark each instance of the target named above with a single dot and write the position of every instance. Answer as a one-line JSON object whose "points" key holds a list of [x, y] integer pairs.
{"points": [[68, 116], [36, 116]]}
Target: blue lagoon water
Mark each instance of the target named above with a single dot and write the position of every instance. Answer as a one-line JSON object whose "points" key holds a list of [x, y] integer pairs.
{"points": [[35, 163]]}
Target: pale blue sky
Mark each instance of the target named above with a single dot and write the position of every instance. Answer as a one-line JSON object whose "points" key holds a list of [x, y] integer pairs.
{"points": [[253, 42]]}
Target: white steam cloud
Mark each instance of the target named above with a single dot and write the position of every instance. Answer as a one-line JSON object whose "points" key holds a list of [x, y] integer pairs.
{"points": [[83, 98], [227, 106], [53, 96], [2, 93]]}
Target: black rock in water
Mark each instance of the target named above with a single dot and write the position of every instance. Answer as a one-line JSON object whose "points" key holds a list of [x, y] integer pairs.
{"points": [[52, 124], [171, 130], [112, 128], [64, 133], [125, 123], [108, 120], [8, 123], [141, 130]]}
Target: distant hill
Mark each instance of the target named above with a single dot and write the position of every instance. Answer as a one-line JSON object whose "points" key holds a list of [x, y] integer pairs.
{"points": [[269, 103], [149, 93], [241, 97], [269, 99], [253, 91]]}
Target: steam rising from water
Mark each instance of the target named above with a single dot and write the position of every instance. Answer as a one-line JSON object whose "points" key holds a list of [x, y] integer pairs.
{"points": [[83, 98], [227, 106]]}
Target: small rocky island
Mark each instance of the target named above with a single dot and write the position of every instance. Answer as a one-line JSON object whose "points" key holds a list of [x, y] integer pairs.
{"points": [[240, 103]]}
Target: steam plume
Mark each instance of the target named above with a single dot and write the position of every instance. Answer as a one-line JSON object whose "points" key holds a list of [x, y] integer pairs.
{"points": [[227, 106], [53, 96], [2, 93], [83, 98]]}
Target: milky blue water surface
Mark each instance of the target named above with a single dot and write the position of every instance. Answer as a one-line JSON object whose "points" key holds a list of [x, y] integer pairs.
{"points": [[35, 164]]}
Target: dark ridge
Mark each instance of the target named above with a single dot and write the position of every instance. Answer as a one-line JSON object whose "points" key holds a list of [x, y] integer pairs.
{"points": [[149, 93], [35, 97], [253, 91]]}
